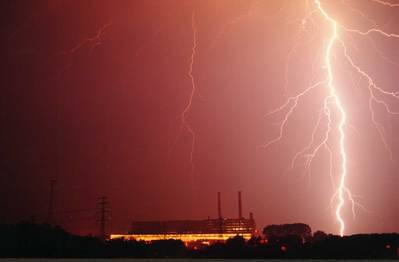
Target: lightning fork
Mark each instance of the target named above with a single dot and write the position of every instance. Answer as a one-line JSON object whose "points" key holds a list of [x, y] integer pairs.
{"points": [[333, 100], [372, 87], [385, 3], [186, 111], [93, 41]]}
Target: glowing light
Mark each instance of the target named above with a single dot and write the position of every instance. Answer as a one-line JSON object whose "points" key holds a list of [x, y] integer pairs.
{"points": [[332, 98], [334, 37], [183, 237], [341, 125]]}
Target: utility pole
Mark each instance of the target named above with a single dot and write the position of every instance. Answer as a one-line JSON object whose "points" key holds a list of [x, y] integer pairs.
{"points": [[50, 211], [103, 216]]}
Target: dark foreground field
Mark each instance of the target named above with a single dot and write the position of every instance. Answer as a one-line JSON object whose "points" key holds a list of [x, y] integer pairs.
{"points": [[26, 240]]}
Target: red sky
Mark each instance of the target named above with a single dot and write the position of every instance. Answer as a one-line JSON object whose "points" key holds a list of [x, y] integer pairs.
{"points": [[101, 119]]}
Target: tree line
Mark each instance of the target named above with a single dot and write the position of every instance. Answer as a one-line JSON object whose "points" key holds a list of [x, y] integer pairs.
{"points": [[27, 240]]}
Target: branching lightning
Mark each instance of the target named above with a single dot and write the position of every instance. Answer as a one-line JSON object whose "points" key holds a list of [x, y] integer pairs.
{"points": [[341, 125], [187, 109], [92, 42], [185, 125], [385, 3], [332, 102], [333, 121]]}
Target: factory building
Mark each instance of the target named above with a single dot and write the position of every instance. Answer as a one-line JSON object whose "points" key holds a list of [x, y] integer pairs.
{"points": [[205, 231]]}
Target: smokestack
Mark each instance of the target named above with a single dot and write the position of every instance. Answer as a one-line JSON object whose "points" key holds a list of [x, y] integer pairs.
{"points": [[219, 207], [239, 205]]}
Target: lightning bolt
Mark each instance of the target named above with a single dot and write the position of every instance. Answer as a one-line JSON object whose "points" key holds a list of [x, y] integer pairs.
{"points": [[92, 42], [187, 109], [185, 124], [333, 101], [385, 3], [341, 125]]}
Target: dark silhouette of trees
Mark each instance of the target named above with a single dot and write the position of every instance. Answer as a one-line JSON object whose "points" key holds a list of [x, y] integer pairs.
{"points": [[29, 240], [303, 231], [319, 236]]}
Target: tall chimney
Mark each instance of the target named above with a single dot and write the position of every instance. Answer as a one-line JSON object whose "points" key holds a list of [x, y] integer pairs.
{"points": [[219, 207], [239, 205]]}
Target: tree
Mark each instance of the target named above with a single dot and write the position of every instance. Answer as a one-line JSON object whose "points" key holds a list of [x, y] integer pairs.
{"points": [[319, 236], [300, 230]]}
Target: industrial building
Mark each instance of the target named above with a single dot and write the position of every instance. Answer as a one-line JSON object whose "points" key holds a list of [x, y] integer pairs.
{"points": [[205, 231]]}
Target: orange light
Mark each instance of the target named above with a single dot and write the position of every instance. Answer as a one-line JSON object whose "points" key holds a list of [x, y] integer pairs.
{"points": [[182, 237]]}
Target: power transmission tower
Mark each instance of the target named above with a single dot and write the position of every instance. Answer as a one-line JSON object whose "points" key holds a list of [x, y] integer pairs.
{"points": [[50, 211], [103, 216]]}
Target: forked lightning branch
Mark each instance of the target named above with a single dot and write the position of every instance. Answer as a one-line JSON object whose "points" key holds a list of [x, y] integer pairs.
{"points": [[377, 95]]}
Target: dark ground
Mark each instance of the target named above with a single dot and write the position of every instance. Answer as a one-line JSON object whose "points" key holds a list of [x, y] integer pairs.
{"points": [[26, 240]]}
